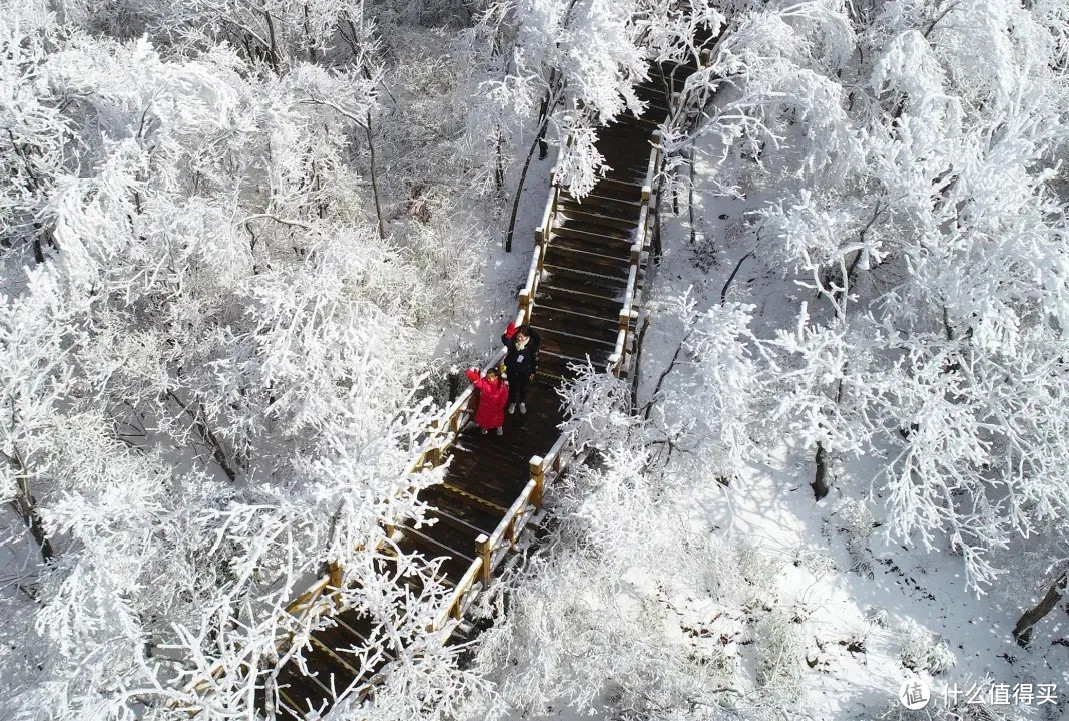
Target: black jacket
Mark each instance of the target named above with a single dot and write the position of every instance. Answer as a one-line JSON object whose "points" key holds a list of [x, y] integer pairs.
{"points": [[522, 363]]}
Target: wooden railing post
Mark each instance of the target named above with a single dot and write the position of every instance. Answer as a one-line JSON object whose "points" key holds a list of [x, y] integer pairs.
{"points": [[538, 473], [512, 532], [525, 305], [335, 570], [485, 552]]}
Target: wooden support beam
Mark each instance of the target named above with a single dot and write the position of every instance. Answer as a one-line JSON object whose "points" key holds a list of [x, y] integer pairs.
{"points": [[336, 576], [538, 473], [484, 552], [525, 305], [512, 532]]}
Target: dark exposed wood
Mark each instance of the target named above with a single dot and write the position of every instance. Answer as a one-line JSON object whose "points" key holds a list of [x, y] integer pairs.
{"points": [[1022, 631]]}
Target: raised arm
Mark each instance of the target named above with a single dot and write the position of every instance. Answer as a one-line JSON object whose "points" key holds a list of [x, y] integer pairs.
{"points": [[506, 338]]}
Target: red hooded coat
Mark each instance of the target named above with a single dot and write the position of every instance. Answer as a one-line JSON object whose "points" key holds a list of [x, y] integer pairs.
{"points": [[492, 399]]}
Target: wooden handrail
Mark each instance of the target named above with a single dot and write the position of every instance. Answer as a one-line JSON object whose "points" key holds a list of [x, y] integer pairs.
{"points": [[454, 608], [617, 360]]}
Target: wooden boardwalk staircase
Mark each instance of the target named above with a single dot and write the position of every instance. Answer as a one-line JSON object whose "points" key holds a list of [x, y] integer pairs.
{"points": [[581, 295]]}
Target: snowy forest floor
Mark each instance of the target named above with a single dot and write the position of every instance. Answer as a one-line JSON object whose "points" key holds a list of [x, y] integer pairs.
{"points": [[867, 610]]}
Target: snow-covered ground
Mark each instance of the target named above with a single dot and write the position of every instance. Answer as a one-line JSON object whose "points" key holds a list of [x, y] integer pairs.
{"points": [[862, 616], [874, 611]]}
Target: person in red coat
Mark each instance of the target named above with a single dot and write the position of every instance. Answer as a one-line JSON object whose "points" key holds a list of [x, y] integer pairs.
{"points": [[493, 394]]}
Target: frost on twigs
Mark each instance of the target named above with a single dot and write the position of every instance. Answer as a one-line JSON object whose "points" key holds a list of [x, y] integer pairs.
{"points": [[855, 521], [923, 652]]}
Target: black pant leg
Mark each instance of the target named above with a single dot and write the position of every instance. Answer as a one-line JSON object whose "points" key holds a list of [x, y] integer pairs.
{"points": [[518, 389]]}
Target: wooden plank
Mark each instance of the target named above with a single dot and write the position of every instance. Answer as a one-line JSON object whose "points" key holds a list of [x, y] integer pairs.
{"points": [[555, 294], [607, 286]]}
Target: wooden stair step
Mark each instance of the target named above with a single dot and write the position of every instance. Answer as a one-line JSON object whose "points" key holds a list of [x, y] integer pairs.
{"points": [[631, 173], [300, 694], [470, 474], [604, 336], [653, 94], [445, 517], [603, 206], [453, 540], [441, 540], [579, 348], [611, 190], [554, 296], [590, 261], [572, 210], [325, 668], [641, 125], [452, 503], [570, 321], [672, 76], [607, 247], [607, 284], [451, 570], [502, 452], [621, 151], [594, 229], [561, 365], [357, 623]]}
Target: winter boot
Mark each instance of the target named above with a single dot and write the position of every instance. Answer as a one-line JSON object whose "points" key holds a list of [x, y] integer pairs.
{"points": [[523, 408], [512, 408], [500, 430]]}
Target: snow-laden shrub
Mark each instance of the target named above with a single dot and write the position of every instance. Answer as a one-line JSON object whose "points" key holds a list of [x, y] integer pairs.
{"points": [[856, 522], [779, 652], [923, 652], [815, 561], [877, 617]]}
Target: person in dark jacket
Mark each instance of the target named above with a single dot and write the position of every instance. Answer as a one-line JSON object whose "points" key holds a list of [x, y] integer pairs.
{"points": [[521, 362]]}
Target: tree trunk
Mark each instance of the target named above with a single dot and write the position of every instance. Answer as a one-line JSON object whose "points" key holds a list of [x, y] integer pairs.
{"points": [[454, 385], [26, 506], [690, 200], [276, 63], [550, 103], [820, 483], [638, 361], [374, 178], [657, 248], [499, 166], [727, 284], [543, 112], [519, 193], [201, 424], [1022, 632]]}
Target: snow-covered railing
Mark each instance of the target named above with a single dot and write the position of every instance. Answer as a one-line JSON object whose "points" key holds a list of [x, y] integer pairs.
{"points": [[618, 361], [310, 602], [491, 550], [538, 257], [447, 428]]}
